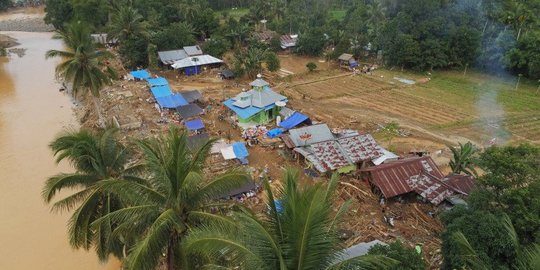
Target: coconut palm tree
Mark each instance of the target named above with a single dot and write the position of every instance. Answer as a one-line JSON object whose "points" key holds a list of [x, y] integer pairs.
{"points": [[463, 160], [82, 66], [298, 231], [126, 23], [96, 157], [176, 197]]}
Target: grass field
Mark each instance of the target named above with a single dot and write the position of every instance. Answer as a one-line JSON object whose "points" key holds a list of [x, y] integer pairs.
{"points": [[475, 106], [236, 13], [338, 14]]}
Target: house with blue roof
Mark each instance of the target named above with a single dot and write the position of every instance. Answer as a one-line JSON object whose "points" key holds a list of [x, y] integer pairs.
{"points": [[259, 105]]}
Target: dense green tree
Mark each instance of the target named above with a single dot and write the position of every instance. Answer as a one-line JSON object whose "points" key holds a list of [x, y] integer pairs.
{"points": [[216, 46], [299, 234], [134, 52], [205, 23], [524, 58], [5, 4], [58, 12], [272, 62], [83, 66], [510, 183], [96, 157], [486, 234], [175, 198], [409, 259], [249, 61], [174, 36], [311, 43], [127, 23], [94, 13]]}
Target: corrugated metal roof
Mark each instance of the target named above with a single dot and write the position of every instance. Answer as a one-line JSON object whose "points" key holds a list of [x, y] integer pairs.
{"points": [[169, 57], [361, 147], [260, 98], [310, 135], [200, 60], [193, 50], [259, 83], [346, 57], [430, 188], [287, 41], [391, 178], [264, 36], [330, 155], [191, 95], [463, 184]]}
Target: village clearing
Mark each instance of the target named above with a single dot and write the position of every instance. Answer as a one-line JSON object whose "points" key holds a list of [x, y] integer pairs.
{"points": [[437, 110]]}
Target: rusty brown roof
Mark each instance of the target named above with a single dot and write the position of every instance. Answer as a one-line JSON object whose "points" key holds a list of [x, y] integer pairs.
{"points": [[463, 184], [392, 178]]}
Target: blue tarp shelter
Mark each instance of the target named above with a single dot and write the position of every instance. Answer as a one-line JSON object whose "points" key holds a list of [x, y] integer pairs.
{"points": [[294, 120], [161, 91], [140, 74], [240, 150], [171, 101], [194, 124], [160, 81], [273, 133]]}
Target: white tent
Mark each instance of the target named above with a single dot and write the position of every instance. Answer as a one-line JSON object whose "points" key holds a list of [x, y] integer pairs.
{"points": [[199, 60]]}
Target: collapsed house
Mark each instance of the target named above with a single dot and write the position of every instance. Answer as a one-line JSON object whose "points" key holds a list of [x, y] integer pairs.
{"points": [[258, 105], [329, 152], [420, 175]]}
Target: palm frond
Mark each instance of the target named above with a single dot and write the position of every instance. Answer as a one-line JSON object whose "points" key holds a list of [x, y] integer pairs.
{"points": [[65, 181], [148, 250], [466, 252], [366, 262]]}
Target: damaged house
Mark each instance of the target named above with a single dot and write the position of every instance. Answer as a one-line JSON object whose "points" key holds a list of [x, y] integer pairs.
{"points": [[419, 175], [328, 151]]}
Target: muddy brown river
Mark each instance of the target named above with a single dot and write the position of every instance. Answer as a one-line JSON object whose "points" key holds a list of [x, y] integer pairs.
{"points": [[32, 112]]}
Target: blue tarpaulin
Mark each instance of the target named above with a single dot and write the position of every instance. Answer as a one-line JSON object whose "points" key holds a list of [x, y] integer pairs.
{"points": [[161, 91], [157, 81], [274, 133], [279, 207], [194, 124], [294, 120], [140, 74], [171, 101], [240, 150]]}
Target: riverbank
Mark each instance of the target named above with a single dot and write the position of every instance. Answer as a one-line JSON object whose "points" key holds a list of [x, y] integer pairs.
{"points": [[24, 20]]}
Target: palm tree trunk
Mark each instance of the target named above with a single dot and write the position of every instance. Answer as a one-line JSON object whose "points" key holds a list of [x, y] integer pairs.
{"points": [[97, 105]]}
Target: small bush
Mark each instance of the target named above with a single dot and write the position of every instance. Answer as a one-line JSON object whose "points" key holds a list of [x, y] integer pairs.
{"points": [[311, 66]]}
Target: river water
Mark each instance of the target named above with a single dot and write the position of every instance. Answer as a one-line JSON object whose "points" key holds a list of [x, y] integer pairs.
{"points": [[32, 112]]}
